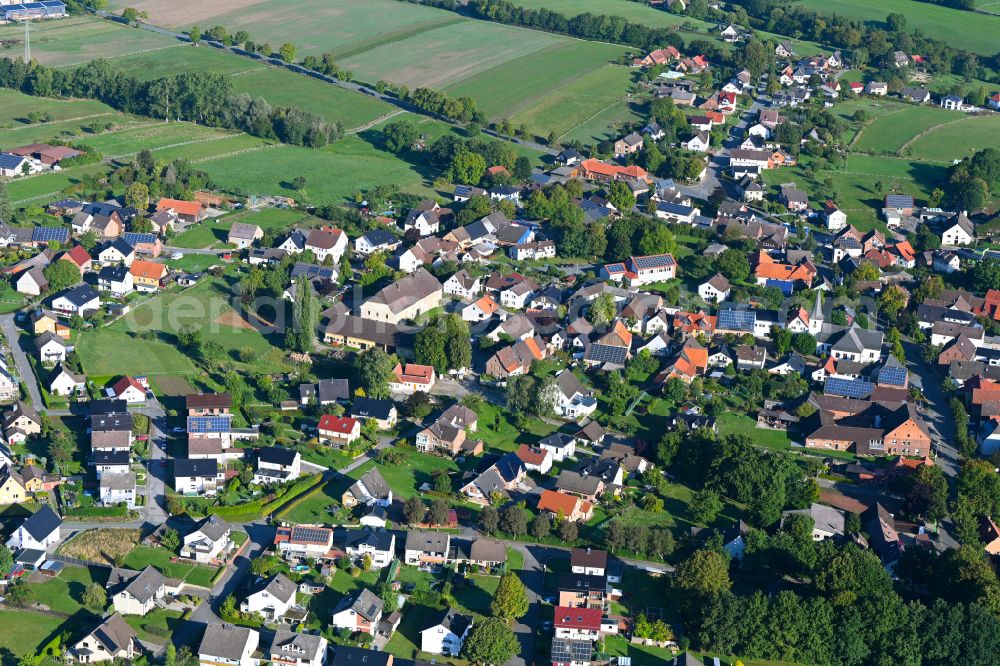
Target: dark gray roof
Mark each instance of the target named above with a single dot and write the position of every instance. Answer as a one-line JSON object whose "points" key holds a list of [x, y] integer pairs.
{"points": [[344, 655], [80, 295], [372, 408], [279, 587], [452, 621], [200, 467], [145, 586], [377, 539], [372, 483], [296, 644], [225, 640], [363, 602], [42, 523], [277, 455], [213, 527]]}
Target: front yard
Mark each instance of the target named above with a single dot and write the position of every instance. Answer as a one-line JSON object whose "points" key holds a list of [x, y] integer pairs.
{"points": [[192, 574]]}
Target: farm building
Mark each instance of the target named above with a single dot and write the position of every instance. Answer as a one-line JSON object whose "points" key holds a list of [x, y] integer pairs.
{"points": [[33, 10]]}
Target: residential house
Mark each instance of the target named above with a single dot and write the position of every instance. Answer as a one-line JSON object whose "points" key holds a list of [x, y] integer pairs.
{"points": [[197, 477], [628, 145], [412, 378], [12, 489], [441, 435], [148, 276], [570, 507], [957, 230], [535, 459], [572, 400], [51, 348], [31, 282], [277, 464], [481, 310], [383, 412], [243, 235], [379, 545], [228, 645], [130, 390], [584, 486], [188, 211], [78, 257], [116, 489], [135, 592], [271, 598], [828, 522], [578, 623], [716, 289], [325, 392], [445, 634], [560, 445], [147, 245], [327, 242], [338, 430], [210, 539], [81, 300], [39, 531], [295, 648], [423, 547], [370, 489], [112, 640], [359, 611], [116, 279], [116, 252], [582, 591], [66, 383], [21, 421], [463, 285], [304, 541]]}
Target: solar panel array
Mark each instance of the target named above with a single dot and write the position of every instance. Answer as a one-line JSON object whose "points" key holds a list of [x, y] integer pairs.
{"points": [[310, 534], [202, 424], [564, 650], [670, 207], [894, 376], [654, 261], [737, 320], [615, 268], [848, 388], [133, 238], [606, 353], [49, 234], [898, 201]]}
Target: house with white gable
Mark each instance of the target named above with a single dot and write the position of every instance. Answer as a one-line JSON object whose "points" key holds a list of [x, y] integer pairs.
{"points": [[295, 648], [716, 289], [271, 598], [229, 645], [135, 592], [209, 540], [378, 544], [958, 230], [445, 633], [39, 531], [571, 399], [463, 285]]}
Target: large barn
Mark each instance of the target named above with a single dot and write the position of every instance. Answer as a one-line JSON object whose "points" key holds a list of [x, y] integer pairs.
{"points": [[32, 10]]}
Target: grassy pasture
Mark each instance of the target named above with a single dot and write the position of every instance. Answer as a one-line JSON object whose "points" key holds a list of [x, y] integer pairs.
{"points": [[79, 39], [22, 190], [66, 130], [443, 56], [585, 108], [15, 105], [890, 132], [955, 140], [152, 136], [565, 63], [973, 31], [109, 351]]}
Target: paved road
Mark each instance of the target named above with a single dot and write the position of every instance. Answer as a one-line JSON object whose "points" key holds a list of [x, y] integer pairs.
{"points": [[156, 464], [937, 413], [24, 371]]}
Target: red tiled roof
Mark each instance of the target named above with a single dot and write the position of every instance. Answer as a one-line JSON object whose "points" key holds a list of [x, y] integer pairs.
{"points": [[122, 385], [342, 424], [531, 456], [413, 373], [78, 255], [567, 617], [555, 502], [180, 207]]}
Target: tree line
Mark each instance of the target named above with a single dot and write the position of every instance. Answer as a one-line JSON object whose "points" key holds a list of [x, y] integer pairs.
{"points": [[205, 98]]}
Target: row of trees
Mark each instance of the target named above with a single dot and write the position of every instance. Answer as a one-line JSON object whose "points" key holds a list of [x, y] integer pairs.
{"points": [[203, 97]]}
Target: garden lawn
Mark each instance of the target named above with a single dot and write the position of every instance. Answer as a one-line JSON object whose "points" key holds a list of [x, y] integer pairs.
{"points": [[477, 593], [159, 558], [106, 351], [26, 633], [741, 424], [192, 263], [199, 236], [162, 620], [565, 63], [64, 593], [22, 190], [416, 470], [497, 430], [79, 39], [315, 508]]}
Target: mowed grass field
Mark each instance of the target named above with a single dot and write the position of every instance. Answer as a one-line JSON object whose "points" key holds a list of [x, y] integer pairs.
{"points": [[891, 131], [961, 29], [587, 109], [278, 86], [955, 140], [79, 39], [563, 65], [15, 106]]}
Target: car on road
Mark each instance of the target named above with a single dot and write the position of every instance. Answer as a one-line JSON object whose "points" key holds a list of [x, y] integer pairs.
{"points": [[547, 625]]}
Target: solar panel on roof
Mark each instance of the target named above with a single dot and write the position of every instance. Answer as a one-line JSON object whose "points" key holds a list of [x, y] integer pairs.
{"points": [[615, 268], [654, 261], [564, 650], [310, 534], [606, 353], [893, 376], [201, 424], [737, 320], [49, 234], [848, 388], [134, 238]]}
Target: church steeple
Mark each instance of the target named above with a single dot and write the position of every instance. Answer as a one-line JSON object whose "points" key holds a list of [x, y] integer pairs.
{"points": [[816, 316]]}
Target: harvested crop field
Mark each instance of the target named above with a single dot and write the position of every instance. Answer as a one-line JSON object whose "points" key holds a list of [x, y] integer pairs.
{"points": [[77, 40], [233, 318]]}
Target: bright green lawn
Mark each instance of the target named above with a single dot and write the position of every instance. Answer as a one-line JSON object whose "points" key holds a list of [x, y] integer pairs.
{"points": [[107, 351], [152, 136], [193, 574], [955, 140], [64, 593], [741, 424], [165, 620], [78, 39], [890, 131], [417, 469], [15, 105], [498, 432], [25, 632], [52, 183]]}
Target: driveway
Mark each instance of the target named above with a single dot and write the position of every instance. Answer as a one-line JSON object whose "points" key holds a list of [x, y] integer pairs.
{"points": [[156, 464], [21, 362]]}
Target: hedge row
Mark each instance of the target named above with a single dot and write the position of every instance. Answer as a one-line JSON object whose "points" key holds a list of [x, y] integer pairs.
{"points": [[301, 486], [98, 511]]}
